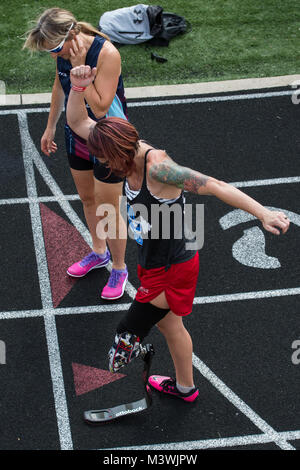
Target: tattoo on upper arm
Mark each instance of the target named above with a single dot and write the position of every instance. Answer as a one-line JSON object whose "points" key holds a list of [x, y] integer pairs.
{"points": [[176, 175]]}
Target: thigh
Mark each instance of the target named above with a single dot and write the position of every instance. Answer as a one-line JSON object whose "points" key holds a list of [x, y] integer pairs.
{"points": [[108, 193], [84, 182], [160, 301]]}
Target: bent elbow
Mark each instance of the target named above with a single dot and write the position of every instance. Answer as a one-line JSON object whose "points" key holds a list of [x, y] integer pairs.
{"points": [[100, 114], [221, 183]]}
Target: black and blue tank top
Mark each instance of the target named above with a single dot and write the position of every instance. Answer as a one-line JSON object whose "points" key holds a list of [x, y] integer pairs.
{"points": [[75, 145], [158, 226]]}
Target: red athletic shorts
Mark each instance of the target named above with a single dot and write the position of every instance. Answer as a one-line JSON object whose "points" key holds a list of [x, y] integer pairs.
{"points": [[178, 282]]}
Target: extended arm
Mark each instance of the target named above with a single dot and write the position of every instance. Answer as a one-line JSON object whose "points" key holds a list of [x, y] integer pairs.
{"points": [[187, 179], [77, 116], [57, 101]]}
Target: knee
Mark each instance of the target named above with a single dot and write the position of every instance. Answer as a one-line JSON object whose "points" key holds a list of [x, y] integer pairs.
{"points": [[162, 328], [140, 318], [171, 327], [166, 330]]}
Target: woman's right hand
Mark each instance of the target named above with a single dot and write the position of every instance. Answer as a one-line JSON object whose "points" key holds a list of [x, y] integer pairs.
{"points": [[48, 145], [82, 75]]}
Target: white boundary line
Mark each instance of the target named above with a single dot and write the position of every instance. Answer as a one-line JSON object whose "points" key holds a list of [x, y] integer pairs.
{"points": [[266, 182], [38, 199], [60, 400], [51, 332], [211, 299], [63, 311], [134, 104], [212, 99], [214, 443], [6, 315]]}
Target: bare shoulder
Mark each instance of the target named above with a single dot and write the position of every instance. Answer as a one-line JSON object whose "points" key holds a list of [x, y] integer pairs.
{"points": [[109, 52], [157, 156]]}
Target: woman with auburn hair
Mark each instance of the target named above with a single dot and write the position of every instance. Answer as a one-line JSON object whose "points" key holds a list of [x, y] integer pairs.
{"points": [[167, 270], [72, 43]]}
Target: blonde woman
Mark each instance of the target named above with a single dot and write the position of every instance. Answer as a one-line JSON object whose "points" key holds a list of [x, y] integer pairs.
{"points": [[72, 43]]}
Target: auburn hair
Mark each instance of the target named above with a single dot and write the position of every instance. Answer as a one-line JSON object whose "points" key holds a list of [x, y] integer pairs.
{"points": [[114, 140]]}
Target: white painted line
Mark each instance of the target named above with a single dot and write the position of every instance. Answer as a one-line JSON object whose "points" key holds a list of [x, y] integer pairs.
{"points": [[222, 442], [135, 104], [211, 99], [211, 299], [92, 309], [240, 404], [5, 315], [6, 112], [38, 199], [266, 182], [60, 400], [37, 231], [20, 200], [13, 314]]}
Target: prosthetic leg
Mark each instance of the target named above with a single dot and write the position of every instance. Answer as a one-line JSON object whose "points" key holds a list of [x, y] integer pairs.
{"points": [[95, 417], [131, 331]]}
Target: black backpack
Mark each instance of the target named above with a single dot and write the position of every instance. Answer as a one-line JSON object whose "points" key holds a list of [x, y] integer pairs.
{"points": [[165, 25]]}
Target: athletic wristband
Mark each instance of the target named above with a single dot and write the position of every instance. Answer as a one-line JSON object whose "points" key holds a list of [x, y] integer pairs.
{"points": [[78, 88]]}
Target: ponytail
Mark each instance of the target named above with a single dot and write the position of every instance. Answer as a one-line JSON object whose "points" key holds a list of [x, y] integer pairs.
{"points": [[87, 28]]}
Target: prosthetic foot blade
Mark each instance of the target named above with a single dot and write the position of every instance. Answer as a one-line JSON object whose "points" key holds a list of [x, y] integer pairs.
{"points": [[110, 414]]}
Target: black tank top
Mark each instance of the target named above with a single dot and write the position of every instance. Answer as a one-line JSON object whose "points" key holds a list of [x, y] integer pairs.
{"points": [[158, 227]]}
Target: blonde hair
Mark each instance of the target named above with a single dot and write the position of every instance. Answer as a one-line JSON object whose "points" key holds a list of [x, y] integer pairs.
{"points": [[52, 27]]}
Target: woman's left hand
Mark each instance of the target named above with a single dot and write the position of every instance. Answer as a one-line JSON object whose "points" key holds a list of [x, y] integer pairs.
{"points": [[78, 52]]}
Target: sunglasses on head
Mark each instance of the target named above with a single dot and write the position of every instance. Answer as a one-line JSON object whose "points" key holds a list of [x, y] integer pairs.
{"points": [[61, 44]]}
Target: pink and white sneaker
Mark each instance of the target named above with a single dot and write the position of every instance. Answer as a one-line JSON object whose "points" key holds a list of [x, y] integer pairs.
{"points": [[168, 385], [115, 287], [91, 261]]}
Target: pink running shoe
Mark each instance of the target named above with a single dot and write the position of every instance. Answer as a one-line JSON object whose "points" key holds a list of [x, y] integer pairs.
{"points": [[168, 385], [91, 261], [115, 287]]}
